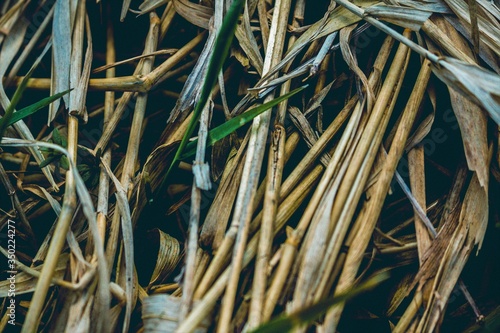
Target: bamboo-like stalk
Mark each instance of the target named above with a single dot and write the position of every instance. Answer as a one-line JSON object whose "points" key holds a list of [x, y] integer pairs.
{"points": [[433, 31], [263, 21], [373, 207], [58, 240], [295, 237], [37, 303], [252, 167], [370, 139], [285, 211], [291, 143], [318, 232], [272, 195], [223, 250], [129, 83], [130, 161], [167, 19], [417, 182], [109, 102], [140, 109], [271, 200], [159, 73], [65, 217]]}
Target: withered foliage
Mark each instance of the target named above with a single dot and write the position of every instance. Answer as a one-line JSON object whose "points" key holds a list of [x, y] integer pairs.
{"points": [[334, 143]]}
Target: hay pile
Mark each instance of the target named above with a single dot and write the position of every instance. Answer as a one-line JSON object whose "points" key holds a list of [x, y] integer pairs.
{"points": [[344, 174]]}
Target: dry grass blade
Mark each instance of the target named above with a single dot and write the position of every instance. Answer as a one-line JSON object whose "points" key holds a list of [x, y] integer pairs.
{"points": [[54, 251], [408, 18], [374, 205], [252, 167], [198, 15], [62, 27], [303, 154], [150, 5], [125, 8], [465, 78], [201, 182], [457, 74], [127, 234], [417, 178]]}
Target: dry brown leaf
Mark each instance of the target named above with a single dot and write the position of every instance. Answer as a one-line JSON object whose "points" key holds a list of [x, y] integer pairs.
{"points": [[150, 5], [248, 43], [471, 118], [488, 27], [350, 59], [432, 6], [198, 15], [421, 132], [169, 255], [300, 121], [215, 224], [469, 232], [474, 82], [410, 18], [316, 100]]}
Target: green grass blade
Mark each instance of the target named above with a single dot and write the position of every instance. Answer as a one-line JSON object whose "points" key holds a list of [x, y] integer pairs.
{"points": [[287, 322], [48, 160], [29, 110], [9, 112], [232, 125], [221, 50]]}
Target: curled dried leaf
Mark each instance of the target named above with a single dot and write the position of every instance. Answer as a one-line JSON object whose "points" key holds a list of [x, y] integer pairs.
{"points": [[169, 255]]}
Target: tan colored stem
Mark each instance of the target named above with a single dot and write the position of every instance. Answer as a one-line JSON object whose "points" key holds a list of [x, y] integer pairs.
{"points": [[417, 182], [285, 211], [272, 196], [109, 101], [373, 207], [253, 163]]}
